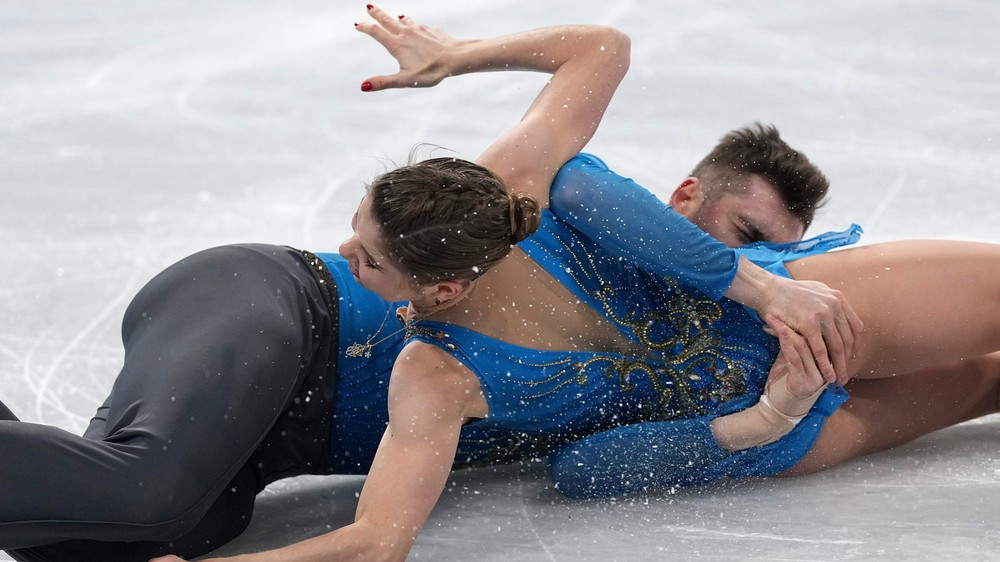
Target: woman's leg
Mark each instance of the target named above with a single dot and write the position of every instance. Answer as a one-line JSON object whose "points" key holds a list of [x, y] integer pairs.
{"points": [[216, 347], [923, 302], [888, 412]]}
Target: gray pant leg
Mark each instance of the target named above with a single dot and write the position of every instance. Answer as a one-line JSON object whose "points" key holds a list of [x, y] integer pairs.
{"points": [[216, 348]]}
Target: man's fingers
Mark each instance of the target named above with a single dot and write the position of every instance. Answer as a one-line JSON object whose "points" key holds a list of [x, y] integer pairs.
{"points": [[833, 338], [845, 353], [792, 347], [849, 327], [821, 354], [803, 374]]}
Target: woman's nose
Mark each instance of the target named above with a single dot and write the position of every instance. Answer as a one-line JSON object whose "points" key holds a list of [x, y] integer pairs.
{"points": [[346, 248]]}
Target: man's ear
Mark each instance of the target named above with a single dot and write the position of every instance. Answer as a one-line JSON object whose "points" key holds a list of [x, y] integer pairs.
{"points": [[688, 198]]}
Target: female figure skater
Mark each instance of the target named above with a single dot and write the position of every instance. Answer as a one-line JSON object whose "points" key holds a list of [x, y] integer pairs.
{"points": [[249, 363], [562, 336]]}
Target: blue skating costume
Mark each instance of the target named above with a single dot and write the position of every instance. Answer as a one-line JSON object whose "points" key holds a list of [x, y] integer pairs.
{"points": [[360, 414], [621, 424], [235, 375]]}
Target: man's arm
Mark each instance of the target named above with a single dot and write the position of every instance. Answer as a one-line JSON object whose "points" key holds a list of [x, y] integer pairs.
{"points": [[629, 221], [694, 451]]}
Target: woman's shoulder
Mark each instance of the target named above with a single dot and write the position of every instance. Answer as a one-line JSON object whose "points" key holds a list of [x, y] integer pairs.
{"points": [[427, 373]]}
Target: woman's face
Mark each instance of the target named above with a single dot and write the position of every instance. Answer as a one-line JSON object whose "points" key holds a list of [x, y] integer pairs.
{"points": [[370, 264]]}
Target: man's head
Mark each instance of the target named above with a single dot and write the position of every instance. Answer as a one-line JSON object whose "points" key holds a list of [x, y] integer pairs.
{"points": [[752, 186]]}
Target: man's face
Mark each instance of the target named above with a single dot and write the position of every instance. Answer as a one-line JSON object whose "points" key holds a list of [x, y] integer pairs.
{"points": [[753, 215]]}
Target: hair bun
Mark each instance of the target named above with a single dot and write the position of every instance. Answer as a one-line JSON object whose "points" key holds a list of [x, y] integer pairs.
{"points": [[525, 216]]}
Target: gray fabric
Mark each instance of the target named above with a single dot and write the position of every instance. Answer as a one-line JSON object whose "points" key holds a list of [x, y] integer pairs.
{"points": [[217, 349]]}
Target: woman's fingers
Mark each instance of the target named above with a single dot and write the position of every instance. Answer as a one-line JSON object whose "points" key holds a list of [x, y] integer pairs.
{"points": [[383, 29], [377, 30], [388, 21], [418, 49]]}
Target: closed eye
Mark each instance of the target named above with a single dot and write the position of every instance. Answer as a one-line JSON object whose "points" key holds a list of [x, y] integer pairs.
{"points": [[748, 232]]}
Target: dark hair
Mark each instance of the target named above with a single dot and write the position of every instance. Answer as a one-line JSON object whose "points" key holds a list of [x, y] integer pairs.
{"points": [[447, 218], [760, 150]]}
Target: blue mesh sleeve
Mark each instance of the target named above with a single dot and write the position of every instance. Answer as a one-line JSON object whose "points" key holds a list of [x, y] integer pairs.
{"points": [[638, 457], [633, 224], [677, 453]]}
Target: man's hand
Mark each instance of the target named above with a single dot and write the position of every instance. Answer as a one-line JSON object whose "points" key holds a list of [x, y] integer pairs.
{"points": [[827, 323], [803, 374]]}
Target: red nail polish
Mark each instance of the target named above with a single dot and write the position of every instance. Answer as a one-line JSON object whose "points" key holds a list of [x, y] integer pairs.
{"points": [[401, 17], [366, 86], [370, 6], [356, 24]]}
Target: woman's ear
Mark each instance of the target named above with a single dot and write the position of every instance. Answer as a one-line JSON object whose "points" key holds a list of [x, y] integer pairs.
{"points": [[444, 291], [688, 198]]}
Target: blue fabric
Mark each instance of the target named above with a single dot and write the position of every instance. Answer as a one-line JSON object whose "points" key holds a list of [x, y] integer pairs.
{"points": [[678, 452], [360, 412], [772, 256], [701, 358], [706, 359], [601, 204]]}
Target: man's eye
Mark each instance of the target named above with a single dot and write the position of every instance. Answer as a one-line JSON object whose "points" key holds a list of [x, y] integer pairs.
{"points": [[370, 264]]}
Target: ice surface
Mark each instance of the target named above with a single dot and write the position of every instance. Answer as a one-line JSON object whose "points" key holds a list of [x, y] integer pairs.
{"points": [[133, 134]]}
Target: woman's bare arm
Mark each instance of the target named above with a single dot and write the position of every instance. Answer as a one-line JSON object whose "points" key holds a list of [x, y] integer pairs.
{"points": [[429, 398], [429, 395], [587, 62]]}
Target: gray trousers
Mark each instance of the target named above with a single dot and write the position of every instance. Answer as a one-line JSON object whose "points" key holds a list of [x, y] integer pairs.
{"points": [[221, 351]]}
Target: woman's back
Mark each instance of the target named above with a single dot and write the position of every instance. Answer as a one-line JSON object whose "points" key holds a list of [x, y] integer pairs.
{"points": [[621, 345]]}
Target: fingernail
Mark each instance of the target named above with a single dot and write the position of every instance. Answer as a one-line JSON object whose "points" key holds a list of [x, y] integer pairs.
{"points": [[401, 17], [356, 24], [366, 86], [370, 6]]}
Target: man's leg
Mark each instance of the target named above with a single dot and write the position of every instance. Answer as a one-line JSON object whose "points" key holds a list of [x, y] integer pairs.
{"points": [[215, 351]]}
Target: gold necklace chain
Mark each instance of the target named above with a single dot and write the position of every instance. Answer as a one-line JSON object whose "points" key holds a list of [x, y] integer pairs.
{"points": [[365, 349]]}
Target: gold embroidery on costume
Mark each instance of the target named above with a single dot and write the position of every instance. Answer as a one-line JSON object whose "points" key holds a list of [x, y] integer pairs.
{"points": [[693, 353], [687, 366]]}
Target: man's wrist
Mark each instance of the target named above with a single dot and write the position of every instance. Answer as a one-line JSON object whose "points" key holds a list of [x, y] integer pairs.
{"points": [[752, 286]]}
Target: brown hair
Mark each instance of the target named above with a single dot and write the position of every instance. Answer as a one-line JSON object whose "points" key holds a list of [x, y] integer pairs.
{"points": [[760, 150], [447, 218]]}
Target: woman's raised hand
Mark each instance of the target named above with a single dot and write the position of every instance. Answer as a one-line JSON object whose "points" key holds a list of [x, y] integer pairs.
{"points": [[420, 50]]}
